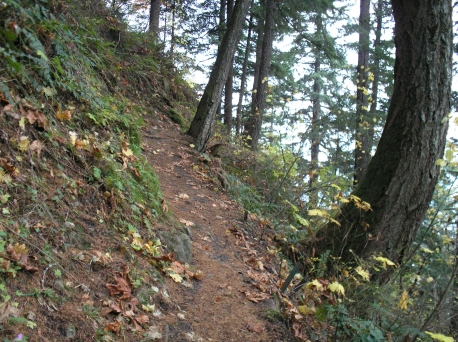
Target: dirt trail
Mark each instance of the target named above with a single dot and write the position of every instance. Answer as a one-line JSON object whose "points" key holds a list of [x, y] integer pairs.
{"points": [[214, 308]]}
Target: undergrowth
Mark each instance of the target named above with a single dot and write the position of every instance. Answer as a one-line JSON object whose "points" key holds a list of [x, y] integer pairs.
{"points": [[77, 86]]}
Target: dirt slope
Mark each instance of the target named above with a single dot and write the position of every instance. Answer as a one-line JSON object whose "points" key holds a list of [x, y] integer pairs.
{"points": [[222, 305]]}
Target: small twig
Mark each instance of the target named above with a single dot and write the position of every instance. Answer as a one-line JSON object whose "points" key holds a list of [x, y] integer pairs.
{"points": [[44, 274]]}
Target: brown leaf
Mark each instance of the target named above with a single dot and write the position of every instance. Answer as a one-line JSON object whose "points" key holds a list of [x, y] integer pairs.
{"points": [[65, 115], [36, 146], [38, 117], [142, 318], [19, 254], [167, 257], [164, 206], [137, 326], [257, 328], [123, 286], [9, 168], [114, 327]]}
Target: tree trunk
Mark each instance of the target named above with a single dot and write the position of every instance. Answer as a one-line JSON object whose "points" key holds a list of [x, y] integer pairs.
{"points": [[402, 175], [315, 134], [315, 125], [238, 123], [362, 148], [201, 125], [254, 123], [154, 12], [229, 82]]}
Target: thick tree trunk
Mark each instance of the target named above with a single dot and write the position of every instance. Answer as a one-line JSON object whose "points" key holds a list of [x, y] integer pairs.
{"points": [[362, 148], [154, 13], [254, 123], [201, 126], [229, 82], [402, 175]]}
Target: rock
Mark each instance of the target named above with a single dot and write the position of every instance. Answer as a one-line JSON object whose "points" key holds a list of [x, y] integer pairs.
{"points": [[70, 332], [180, 244], [59, 285], [31, 316]]}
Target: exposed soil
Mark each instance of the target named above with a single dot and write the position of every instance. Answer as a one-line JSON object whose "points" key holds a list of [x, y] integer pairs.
{"points": [[217, 307]]}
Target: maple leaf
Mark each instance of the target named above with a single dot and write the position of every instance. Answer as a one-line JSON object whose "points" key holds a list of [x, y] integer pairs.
{"points": [[23, 144], [364, 274], [176, 277], [38, 117], [123, 286], [19, 254], [114, 327], [385, 261], [36, 146], [315, 284], [337, 287], [65, 115]]}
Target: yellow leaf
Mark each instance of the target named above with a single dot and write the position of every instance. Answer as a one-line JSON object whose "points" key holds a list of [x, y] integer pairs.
{"points": [[364, 274], [264, 80], [429, 279], [22, 123], [314, 284], [317, 212], [337, 288], [305, 310], [127, 152], [403, 301], [440, 337], [72, 136], [385, 261], [23, 144], [426, 250], [441, 162], [176, 277], [65, 115]]}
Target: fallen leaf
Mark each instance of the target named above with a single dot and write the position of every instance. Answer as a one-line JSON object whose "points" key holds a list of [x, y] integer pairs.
{"points": [[38, 117], [257, 328], [164, 206], [187, 223], [183, 196], [153, 333], [65, 115], [114, 327], [176, 277], [36, 146], [123, 286], [23, 143]]}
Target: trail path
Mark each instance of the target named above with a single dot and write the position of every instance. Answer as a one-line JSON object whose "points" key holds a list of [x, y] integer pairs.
{"points": [[214, 308]]}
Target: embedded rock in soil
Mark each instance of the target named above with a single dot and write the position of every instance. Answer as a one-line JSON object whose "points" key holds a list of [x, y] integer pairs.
{"points": [[180, 244]]}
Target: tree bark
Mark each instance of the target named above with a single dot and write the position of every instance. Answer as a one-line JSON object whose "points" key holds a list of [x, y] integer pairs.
{"points": [[154, 14], [238, 123], [362, 148], [316, 117], [402, 175], [229, 82], [201, 126], [254, 123]]}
